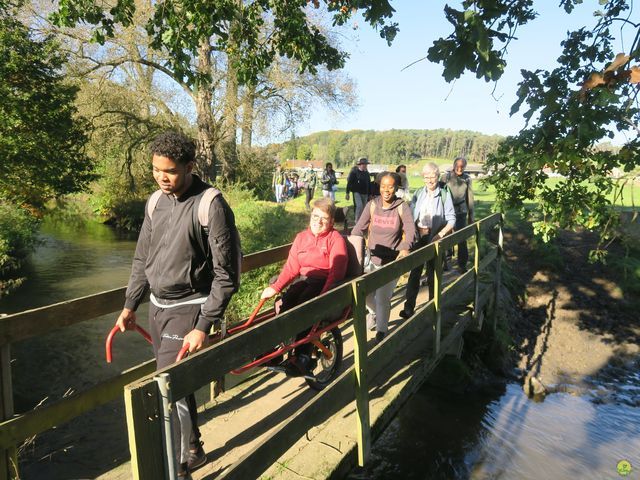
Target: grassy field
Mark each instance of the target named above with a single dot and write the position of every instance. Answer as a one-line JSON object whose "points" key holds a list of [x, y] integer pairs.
{"points": [[630, 192]]}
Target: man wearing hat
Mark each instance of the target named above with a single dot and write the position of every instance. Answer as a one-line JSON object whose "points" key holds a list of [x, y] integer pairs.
{"points": [[359, 183]]}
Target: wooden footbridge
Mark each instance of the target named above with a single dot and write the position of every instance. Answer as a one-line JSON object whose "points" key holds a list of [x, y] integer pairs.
{"points": [[276, 433]]}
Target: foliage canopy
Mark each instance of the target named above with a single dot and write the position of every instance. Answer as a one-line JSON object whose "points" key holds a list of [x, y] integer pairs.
{"points": [[179, 28], [590, 97], [390, 147], [42, 143]]}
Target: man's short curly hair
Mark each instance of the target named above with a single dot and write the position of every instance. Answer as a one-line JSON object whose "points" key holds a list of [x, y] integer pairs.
{"points": [[174, 145]]}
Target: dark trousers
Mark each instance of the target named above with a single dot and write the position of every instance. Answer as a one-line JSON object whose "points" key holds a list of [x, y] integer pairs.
{"points": [[299, 292], [309, 196], [463, 252], [168, 327], [413, 284]]}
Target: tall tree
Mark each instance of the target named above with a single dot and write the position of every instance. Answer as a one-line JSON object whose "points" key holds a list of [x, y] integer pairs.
{"points": [[41, 138], [185, 31], [282, 97]]}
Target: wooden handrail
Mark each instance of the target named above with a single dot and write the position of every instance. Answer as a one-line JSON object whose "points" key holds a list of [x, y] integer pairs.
{"points": [[22, 325]]}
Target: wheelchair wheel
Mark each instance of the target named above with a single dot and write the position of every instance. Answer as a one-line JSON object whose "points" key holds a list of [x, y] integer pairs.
{"points": [[326, 369]]}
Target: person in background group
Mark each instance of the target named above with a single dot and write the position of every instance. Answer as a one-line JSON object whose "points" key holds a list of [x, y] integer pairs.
{"points": [[329, 182], [309, 180], [317, 261], [359, 184], [374, 186], [403, 191], [433, 210], [278, 183], [459, 184], [294, 187], [389, 225], [191, 276]]}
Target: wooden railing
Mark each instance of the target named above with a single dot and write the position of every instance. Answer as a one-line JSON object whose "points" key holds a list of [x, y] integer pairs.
{"points": [[14, 429], [144, 404]]}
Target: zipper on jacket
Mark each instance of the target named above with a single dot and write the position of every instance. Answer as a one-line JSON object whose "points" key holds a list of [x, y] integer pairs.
{"points": [[163, 240]]}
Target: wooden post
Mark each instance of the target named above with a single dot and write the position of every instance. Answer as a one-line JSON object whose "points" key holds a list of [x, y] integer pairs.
{"points": [[360, 369], [437, 302], [498, 269], [477, 317], [143, 404], [9, 457]]}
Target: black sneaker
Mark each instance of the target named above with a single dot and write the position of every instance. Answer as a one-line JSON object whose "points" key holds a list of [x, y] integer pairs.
{"points": [[197, 458], [298, 366], [183, 471], [404, 314], [380, 336]]}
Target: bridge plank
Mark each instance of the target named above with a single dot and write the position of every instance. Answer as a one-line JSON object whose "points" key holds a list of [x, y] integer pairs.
{"points": [[265, 257], [143, 407], [40, 321], [363, 430]]}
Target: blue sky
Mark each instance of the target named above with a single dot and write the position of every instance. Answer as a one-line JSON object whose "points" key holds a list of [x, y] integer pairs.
{"points": [[418, 97]]}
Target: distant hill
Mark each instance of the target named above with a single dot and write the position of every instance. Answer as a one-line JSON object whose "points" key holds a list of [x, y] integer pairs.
{"points": [[391, 147]]}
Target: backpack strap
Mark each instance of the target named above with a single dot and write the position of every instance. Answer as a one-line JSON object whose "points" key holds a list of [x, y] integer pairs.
{"points": [[444, 191], [153, 201], [203, 207]]}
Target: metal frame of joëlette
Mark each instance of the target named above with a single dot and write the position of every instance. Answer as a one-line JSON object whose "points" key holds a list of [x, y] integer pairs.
{"points": [[312, 337]]}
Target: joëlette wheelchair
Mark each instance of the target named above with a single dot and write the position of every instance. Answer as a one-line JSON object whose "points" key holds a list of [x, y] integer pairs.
{"points": [[325, 336]]}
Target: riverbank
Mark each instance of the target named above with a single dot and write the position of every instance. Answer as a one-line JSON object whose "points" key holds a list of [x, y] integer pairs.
{"points": [[576, 319]]}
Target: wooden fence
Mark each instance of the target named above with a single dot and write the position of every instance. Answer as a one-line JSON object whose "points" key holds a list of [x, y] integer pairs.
{"points": [[14, 429], [144, 404]]}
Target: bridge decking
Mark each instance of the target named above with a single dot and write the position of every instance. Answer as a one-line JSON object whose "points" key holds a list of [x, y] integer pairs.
{"points": [[245, 415]]}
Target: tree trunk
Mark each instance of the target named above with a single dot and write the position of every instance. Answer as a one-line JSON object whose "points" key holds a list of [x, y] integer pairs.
{"points": [[248, 104], [205, 152], [228, 144]]}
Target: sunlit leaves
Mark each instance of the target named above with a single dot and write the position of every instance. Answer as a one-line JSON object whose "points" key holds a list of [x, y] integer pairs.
{"points": [[590, 96], [41, 138], [481, 33], [179, 28]]}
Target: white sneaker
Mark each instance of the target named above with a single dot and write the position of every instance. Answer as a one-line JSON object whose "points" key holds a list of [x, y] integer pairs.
{"points": [[371, 321]]}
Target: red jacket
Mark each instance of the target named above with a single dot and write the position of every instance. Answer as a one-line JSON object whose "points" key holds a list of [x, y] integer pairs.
{"points": [[324, 256]]}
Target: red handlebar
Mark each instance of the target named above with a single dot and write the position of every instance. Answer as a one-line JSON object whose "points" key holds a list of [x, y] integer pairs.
{"points": [[250, 320], [185, 348], [183, 352], [115, 330]]}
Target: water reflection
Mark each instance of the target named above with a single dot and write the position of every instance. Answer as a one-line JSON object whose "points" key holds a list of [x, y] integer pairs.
{"points": [[441, 436], [70, 263]]}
